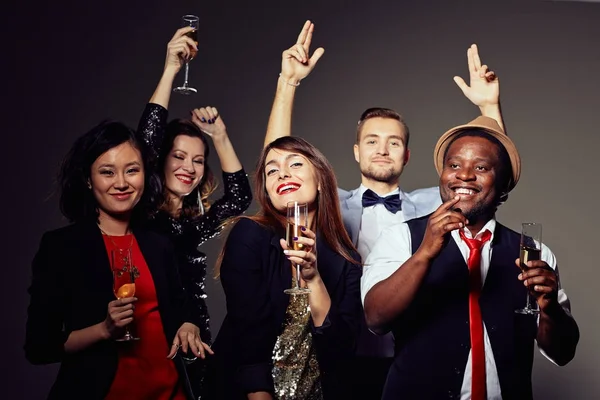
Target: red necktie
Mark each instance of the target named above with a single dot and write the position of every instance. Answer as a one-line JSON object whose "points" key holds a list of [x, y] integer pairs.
{"points": [[475, 323]]}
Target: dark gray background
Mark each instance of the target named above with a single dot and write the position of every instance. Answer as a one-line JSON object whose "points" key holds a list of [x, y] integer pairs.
{"points": [[71, 65]]}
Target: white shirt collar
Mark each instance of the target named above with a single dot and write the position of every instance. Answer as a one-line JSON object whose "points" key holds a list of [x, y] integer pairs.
{"points": [[490, 226]]}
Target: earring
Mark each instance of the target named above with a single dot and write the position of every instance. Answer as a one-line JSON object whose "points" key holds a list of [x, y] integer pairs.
{"points": [[200, 205]]}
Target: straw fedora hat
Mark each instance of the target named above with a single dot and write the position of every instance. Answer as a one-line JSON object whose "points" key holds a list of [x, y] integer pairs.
{"points": [[489, 126]]}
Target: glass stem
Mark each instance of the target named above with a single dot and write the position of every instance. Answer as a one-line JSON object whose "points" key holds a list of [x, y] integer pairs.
{"points": [[298, 276], [187, 69], [528, 303]]}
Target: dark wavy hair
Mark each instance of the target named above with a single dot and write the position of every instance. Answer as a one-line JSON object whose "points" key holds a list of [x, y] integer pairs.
{"points": [[77, 201], [328, 222], [207, 184]]}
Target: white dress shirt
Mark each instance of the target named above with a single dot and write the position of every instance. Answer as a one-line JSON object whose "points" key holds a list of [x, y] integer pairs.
{"points": [[374, 220], [393, 249]]}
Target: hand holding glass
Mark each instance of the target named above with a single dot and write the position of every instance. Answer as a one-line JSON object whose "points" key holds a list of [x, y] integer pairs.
{"points": [[297, 217], [531, 250], [123, 281], [192, 21]]}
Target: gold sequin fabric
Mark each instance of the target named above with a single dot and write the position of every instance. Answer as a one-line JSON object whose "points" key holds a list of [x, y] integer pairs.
{"points": [[296, 372]]}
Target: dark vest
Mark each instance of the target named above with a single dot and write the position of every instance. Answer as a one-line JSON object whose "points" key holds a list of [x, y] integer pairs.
{"points": [[432, 335]]}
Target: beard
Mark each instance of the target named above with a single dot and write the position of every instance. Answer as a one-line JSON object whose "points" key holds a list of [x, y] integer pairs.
{"points": [[385, 175], [477, 211]]}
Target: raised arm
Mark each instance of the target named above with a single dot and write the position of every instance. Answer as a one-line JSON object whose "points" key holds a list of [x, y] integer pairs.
{"points": [[296, 64], [154, 118], [179, 48], [484, 89]]}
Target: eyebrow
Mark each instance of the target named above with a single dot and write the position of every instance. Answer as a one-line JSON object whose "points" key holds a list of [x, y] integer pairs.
{"points": [[129, 164], [477, 159], [274, 161], [185, 152], [370, 135]]}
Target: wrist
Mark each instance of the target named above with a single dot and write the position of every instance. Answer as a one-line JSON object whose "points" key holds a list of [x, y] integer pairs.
{"points": [[220, 138], [314, 282], [103, 331], [423, 256], [488, 110], [289, 80], [553, 309]]}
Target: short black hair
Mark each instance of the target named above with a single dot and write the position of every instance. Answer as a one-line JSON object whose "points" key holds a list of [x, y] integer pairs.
{"points": [[77, 202]]}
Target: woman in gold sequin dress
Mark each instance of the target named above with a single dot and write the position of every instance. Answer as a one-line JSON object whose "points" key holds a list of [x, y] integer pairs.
{"points": [[278, 346]]}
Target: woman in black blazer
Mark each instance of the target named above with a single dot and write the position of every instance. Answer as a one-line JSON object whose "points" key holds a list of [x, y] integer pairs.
{"points": [[73, 317], [269, 345]]}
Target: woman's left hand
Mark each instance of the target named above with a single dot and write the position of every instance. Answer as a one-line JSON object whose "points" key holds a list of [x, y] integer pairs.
{"points": [[188, 338], [304, 255]]}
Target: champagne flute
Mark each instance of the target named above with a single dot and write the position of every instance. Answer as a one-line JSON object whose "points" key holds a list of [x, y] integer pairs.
{"points": [[193, 21], [123, 281], [531, 250], [297, 217]]}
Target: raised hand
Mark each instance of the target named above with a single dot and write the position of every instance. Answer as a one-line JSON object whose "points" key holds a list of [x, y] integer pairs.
{"points": [[296, 63], [484, 89], [179, 49], [209, 121], [440, 224], [306, 257]]}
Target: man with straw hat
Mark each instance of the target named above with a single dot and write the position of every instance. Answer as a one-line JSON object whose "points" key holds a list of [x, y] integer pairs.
{"points": [[447, 284]]}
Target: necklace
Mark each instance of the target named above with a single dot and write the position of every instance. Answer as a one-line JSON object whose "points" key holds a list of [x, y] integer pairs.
{"points": [[126, 259]]}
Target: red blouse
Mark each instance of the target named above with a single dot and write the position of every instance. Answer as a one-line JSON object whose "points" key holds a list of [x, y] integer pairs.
{"points": [[144, 371]]}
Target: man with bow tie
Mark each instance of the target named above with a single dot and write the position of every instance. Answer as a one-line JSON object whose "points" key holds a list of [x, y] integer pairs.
{"points": [[381, 150]]}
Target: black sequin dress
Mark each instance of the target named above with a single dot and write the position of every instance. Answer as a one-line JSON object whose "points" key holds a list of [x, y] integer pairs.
{"points": [[187, 233]]}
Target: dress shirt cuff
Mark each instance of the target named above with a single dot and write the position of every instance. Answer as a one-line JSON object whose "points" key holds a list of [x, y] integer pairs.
{"points": [[255, 378]]}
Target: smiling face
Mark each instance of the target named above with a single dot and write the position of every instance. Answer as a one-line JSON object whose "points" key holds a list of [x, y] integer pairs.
{"points": [[472, 170], [381, 152], [117, 180], [184, 166], [289, 176]]}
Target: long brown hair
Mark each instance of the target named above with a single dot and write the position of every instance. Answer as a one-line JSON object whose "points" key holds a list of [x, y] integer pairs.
{"points": [[328, 221], [208, 183]]}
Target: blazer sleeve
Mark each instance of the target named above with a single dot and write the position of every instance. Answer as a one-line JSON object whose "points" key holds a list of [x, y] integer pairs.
{"points": [[44, 332], [335, 339], [248, 306]]}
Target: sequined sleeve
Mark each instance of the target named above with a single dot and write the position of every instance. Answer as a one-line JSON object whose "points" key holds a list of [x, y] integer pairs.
{"points": [[151, 128], [236, 199]]}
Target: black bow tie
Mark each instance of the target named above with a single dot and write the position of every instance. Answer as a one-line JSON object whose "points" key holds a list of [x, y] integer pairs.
{"points": [[391, 202]]}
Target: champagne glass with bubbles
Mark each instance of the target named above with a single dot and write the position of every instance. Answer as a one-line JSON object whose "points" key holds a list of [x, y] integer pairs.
{"points": [[531, 250], [297, 217]]}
